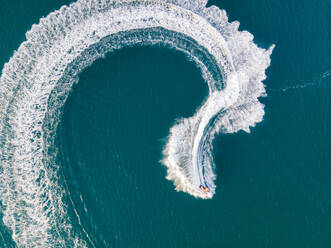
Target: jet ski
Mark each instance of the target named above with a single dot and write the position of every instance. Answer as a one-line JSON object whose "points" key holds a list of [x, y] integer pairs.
{"points": [[204, 189]]}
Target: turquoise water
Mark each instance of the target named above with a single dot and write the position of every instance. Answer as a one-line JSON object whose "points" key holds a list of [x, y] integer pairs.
{"points": [[273, 184]]}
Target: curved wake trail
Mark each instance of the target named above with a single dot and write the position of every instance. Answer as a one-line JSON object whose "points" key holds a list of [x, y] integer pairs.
{"points": [[37, 80]]}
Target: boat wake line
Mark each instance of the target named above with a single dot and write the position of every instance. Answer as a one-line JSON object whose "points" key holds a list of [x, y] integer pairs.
{"points": [[37, 80]]}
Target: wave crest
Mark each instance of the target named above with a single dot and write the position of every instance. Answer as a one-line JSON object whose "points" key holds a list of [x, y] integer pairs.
{"points": [[38, 78]]}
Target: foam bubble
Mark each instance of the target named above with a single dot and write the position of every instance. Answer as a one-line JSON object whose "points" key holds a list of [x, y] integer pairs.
{"points": [[36, 81]]}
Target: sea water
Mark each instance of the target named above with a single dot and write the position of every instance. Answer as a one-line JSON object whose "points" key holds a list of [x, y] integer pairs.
{"points": [[106, 146]]}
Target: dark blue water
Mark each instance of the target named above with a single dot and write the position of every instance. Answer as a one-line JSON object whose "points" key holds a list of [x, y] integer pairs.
{"points": [[273, 184], [113, 164]]}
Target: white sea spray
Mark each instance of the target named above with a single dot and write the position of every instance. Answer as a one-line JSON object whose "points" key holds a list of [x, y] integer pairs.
{"points": [[36, 81]]}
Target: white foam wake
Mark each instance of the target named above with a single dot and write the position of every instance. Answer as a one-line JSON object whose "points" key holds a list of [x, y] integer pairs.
{"points": [[36, 82]]}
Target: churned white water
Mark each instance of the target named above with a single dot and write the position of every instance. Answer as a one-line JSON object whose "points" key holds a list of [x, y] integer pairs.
{"points": [[36, 81]]}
